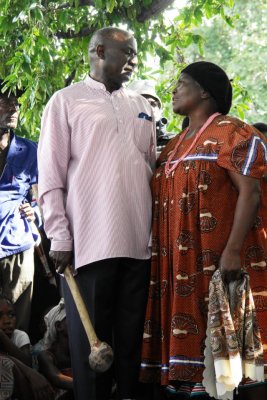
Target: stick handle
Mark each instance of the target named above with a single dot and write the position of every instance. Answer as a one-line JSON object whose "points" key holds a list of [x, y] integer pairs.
{"points": [[87, 324]]}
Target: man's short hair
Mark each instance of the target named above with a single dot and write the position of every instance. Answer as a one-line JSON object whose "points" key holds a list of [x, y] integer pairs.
{"points": [[108, 32]]}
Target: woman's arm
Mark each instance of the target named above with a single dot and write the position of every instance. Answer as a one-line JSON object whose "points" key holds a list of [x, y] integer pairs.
{"points": [[52, 373], [249, 191]]}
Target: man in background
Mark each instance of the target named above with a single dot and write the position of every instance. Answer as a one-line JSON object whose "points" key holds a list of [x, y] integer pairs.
{"points": [[18, 188]]}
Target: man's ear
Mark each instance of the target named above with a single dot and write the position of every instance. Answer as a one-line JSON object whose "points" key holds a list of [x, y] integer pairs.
{"points": [[100, 51]]}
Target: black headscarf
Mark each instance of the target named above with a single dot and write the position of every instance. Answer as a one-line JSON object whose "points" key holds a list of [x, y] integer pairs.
{"points": [[214, 80]]}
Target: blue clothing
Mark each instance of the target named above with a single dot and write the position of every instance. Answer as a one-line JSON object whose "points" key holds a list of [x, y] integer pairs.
{"points": [[19, 174]]}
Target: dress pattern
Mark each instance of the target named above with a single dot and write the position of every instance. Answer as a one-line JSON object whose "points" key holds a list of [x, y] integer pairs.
{"points": [[193, 212]]}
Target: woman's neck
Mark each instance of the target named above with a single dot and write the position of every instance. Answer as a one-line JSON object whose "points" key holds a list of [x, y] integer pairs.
{"points": [[197, 120]]}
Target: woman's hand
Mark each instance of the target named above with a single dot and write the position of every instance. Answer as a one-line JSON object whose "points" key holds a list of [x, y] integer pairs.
{"points": [[230, 265]]}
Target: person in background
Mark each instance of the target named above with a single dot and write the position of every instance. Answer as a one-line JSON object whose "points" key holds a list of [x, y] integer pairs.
{"points": [[54, 360], [13, 341], [18, 210], [208, 218], [146, 88], [261, 127], [96, 155]]}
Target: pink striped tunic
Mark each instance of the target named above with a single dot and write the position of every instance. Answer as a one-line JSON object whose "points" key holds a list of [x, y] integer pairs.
{"points": [[95, 164]]}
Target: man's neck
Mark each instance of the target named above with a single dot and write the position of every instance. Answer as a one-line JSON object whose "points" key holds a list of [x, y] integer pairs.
{"points": [[110, 86], [4, 138]]}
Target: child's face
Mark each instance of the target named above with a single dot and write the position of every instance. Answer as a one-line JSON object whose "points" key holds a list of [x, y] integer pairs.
{"points": [[7, 318], [61, 327]]}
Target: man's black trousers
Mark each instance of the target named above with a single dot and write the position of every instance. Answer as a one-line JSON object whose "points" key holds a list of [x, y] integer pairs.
{"points": [[115, 293]]}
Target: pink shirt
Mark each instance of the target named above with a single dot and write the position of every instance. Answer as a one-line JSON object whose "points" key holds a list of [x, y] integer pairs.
{"points": [[95, 164]]}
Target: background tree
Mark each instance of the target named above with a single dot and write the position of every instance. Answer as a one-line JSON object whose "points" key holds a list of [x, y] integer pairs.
{"points": [[240, 48], [43, 43]]}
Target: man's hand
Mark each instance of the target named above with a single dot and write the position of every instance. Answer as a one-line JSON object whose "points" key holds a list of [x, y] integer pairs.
{"points": [[61, 259], [230, 265], [27, 211]]}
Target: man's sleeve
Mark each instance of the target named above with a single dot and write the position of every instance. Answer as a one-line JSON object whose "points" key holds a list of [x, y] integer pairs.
{"points": [[53, 160]]}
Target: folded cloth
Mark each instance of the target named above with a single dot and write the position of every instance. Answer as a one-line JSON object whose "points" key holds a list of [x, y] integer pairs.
{"points": [[233, 348], [57, 313], [6, 377]]}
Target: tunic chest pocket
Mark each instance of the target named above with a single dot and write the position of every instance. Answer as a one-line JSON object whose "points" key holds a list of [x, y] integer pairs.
{"points": [[142, 134]]}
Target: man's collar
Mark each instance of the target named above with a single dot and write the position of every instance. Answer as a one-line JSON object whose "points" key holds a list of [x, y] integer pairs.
{"points": [[92, 83], [14, 147]]}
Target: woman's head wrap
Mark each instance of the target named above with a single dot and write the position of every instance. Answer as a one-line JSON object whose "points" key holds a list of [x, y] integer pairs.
{"points": [[214, 80], [57, 313]]}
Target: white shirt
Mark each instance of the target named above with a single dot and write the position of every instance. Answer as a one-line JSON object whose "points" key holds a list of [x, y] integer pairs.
{"points": [[95, 164], [20, 338]]}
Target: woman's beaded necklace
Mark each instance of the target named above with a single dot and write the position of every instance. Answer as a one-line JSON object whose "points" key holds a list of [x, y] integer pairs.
{"points": [[168, 169]]}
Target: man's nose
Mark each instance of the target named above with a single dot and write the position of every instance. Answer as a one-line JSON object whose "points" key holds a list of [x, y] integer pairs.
{"points": [[133, 61], [13, 107]]}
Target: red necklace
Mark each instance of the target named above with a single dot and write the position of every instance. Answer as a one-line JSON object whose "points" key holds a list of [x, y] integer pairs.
{"points": [[169, 170]]}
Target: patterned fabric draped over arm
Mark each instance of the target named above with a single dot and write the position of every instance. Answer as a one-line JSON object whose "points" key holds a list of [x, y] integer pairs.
{"points": [[53, 158]]}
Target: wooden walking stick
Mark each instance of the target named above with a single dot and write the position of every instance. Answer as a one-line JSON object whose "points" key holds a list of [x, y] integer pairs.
{"points": [[101, 356]]}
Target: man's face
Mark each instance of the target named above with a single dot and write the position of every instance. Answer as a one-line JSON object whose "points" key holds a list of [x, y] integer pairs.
{"points": [[9, 112], [120, 59]]}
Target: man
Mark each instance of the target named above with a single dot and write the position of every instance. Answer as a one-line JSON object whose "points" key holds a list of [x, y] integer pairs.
{"points": [[18, 179], [96, 153]]}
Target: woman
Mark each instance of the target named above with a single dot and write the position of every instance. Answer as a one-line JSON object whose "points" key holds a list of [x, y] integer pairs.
{"points": [[207, 212]]}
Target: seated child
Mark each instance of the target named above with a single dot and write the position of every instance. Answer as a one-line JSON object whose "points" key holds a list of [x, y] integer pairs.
{"points": [[13, 342], [54, 361]]}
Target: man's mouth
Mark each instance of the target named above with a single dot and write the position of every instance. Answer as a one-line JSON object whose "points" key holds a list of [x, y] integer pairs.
{"points": [[128, 71]]}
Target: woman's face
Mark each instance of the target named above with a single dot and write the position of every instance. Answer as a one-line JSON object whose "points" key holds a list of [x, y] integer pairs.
{"points": [[186, 96]]}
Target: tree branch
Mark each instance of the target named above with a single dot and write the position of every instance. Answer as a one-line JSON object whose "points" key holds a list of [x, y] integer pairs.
{"points": [[69, 5], [86, 3], [70, 34], [156, 7], [70, 78]]}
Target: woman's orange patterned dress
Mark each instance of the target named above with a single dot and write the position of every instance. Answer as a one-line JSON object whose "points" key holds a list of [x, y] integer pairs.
{"points": [[193, 212]]}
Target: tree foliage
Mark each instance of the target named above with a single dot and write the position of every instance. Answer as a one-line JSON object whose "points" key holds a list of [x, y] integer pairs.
{"points": [[241, 50], [43, 43]]}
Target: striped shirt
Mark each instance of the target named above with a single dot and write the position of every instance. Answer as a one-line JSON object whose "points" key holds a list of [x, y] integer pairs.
{"points": [[96, 154]]}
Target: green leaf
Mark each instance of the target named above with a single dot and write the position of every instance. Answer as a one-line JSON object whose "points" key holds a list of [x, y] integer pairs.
{"points": [[198, 15], [110, 4]]}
